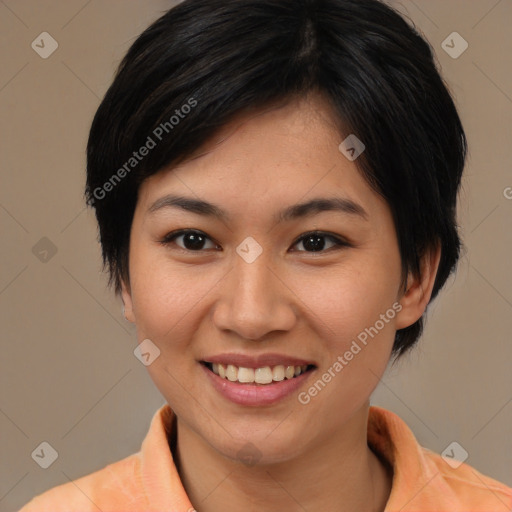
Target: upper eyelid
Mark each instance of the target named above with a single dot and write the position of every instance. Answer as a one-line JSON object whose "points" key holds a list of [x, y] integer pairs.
{"points": [[173, 235]]}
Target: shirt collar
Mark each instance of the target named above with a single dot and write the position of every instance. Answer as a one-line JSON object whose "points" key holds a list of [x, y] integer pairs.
{"points": [[418, 474]]}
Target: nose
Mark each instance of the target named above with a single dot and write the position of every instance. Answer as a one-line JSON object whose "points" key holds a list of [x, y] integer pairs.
{"points": [[255, 301]]}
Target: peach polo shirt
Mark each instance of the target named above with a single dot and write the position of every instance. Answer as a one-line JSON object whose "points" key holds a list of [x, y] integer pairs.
{"points": [[148, 480]]}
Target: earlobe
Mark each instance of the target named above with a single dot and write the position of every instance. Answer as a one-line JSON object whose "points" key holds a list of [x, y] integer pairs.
{"points": [[127, 303], [415, 299]]}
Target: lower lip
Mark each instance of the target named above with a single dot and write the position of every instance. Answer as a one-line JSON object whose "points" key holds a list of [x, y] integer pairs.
{"points": [[255, 394]]}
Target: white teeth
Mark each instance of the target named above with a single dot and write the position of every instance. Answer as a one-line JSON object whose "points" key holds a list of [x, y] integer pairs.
{"points": [[264, 375], [278, 373], [245, 375], [231, 373], [289, 372]]}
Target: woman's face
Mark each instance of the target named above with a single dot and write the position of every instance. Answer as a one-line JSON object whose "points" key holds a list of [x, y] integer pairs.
{"points": [[244, 284]]}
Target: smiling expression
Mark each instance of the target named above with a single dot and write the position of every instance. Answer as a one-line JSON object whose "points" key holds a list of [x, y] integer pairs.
{"points": [[267, 250]]}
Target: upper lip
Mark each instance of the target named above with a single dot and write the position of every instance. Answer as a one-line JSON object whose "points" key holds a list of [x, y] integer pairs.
{"points": [[259, 361]]}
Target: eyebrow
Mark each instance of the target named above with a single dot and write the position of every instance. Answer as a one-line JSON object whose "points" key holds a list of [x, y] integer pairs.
{"points": [[296, 211]]}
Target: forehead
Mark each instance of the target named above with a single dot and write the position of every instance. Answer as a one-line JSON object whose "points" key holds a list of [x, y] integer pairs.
{"points": [[309, 116], [267, 159]]}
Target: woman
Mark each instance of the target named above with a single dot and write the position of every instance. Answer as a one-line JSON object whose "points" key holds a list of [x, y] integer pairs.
{"points": [[275, 184]]}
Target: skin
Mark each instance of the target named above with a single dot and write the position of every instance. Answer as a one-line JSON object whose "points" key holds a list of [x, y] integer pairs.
{"points": [[290, 300]]}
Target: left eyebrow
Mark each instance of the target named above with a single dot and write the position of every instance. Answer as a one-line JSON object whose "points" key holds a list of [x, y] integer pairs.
{"points": [[296, 211], [319, 205]]}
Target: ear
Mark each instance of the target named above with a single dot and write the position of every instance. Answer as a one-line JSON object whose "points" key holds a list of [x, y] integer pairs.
{"points": [[415, 299], [126, 296]]}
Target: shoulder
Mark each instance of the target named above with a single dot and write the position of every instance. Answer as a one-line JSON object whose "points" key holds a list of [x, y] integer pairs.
{"points": [[125, 484], [475, 490], [116, 484], [424, 480]]}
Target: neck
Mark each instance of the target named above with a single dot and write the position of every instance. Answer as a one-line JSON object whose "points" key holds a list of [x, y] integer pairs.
{"points": [[338, 469]]}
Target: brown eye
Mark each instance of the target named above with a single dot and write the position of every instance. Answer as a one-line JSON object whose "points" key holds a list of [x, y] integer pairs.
{"points": [[190, 240], [316, 242]]}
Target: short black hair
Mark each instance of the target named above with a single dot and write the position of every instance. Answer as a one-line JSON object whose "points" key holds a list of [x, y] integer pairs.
{"points": [[205, 61]]}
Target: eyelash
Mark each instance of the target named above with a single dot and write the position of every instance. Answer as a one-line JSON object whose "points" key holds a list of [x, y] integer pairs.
{"points": [[338, 241]]}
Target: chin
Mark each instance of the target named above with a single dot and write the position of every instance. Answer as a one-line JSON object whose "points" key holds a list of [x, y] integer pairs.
{"points": [[253, 451]]}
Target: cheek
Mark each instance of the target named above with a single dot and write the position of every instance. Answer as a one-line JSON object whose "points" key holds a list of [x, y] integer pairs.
{"points": [[352, 299], [157, 294], [354, 315], [167, 297], [166, 302]]}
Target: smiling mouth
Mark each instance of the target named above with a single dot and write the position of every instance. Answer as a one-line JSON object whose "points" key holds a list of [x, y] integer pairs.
{"points": [[258, 376]]}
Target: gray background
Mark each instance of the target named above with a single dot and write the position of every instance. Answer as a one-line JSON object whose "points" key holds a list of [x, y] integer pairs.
{"points": [[67, 370]]}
